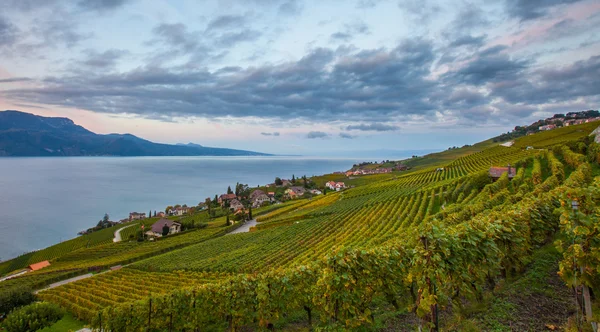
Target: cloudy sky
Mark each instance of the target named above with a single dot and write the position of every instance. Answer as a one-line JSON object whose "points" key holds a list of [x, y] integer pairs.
{"points": [[301, 76]]}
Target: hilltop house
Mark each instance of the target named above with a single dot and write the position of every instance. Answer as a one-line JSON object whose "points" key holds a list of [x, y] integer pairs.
{"points": [[236, 205], [157, 227], [496, 172], [315, 192], [295, 192], [137, 216], [160, 214], [226, 198], [256, 193], [179, 211]]}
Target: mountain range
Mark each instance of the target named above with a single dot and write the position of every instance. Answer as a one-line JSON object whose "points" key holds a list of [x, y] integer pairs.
{"points": [[25, 134]]}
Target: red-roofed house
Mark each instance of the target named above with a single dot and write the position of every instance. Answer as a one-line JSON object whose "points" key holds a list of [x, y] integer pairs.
{"points": [[39, 266], [226, 198], [496, 172], [330, 185]]}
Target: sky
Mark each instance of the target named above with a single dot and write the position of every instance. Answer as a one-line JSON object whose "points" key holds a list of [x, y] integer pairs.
{"points": [[300, 76]]}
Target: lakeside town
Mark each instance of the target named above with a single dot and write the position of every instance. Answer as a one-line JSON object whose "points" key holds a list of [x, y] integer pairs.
{"points": [[237, 204]]}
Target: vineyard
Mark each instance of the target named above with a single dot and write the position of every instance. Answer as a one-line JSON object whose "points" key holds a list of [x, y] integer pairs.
{"points": [[418, 243]]}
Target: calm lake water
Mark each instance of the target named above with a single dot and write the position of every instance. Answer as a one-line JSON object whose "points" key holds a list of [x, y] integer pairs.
{"points": [[48, 200]]}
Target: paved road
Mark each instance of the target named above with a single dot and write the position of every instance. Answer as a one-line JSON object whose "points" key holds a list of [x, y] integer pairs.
{"points": [[66, 281], [118, 233], [245, 227]]}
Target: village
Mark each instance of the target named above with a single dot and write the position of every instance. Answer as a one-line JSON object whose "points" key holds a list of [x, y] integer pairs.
{"points": [[237, 204]]}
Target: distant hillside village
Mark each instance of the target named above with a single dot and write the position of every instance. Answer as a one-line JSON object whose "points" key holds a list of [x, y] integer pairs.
{"points": [[238, 202], [556, 121]]}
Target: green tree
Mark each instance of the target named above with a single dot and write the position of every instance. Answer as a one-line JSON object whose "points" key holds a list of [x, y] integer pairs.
{"points": [[207, 202], [215, 201], [229, 191], [250, 213], [278, 181], [165, 230], [168, 208], [293, 179], [305, 181]]}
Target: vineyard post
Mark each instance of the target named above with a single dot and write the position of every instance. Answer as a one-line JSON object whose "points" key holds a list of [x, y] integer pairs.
{"points": [[171, 316], [149, 313], [586, 290], [100, 319]]}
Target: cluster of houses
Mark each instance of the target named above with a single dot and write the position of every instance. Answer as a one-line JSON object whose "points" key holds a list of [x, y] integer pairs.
{"points": [[337, 186], [566, 123], [384, 170], [380, 170]]}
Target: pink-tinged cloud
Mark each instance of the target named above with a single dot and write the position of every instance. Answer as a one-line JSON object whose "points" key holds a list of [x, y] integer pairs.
{"points": [[543, 30]]}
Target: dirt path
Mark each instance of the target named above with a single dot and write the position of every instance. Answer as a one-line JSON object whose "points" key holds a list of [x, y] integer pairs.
{"points": [[66, 281], [118, 233], [245, 227]]}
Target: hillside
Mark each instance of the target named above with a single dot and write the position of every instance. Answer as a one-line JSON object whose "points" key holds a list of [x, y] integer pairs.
{"points": [[24, 134], [441, 242]]}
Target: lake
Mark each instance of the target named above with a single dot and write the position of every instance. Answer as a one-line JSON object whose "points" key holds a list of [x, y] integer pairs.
{"points": [[48, 200]]}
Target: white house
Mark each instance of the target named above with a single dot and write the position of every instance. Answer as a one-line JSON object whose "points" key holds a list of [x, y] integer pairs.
{"points": [[259, 200], [157, 227]]}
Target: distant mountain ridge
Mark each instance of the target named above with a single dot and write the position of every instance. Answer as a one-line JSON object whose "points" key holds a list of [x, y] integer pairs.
{"points": [[25, 134]]}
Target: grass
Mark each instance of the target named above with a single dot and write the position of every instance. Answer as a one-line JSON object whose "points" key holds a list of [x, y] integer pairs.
{"points": [[67, 324]]}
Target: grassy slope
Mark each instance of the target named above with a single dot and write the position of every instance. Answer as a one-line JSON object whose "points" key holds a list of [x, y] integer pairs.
{"points": [[67, 324]]}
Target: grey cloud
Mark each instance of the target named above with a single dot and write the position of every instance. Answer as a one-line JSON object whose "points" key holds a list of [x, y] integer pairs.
{"points": [[468, 40], [373, 127], [15, 79], [351, 30], [177, 36], [233, 38], [420, 10], [531, 9], [101, 5], [106, 59], [59, 31], [226, 22], [316, 134], [489, 67], [290, 8], [469, 18], [368, 85], [8, 32], [347, 136], [276, 133], [551, 85]]}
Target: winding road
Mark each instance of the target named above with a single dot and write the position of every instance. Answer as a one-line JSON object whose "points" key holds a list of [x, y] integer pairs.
{"points": [[245, 227], [118, 233]]}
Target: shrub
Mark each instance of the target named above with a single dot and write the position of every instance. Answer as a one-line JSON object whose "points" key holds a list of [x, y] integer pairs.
{"points": [[33, 317], [15, 297]]}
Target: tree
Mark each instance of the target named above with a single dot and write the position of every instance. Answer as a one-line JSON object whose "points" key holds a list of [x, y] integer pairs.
{"points": [[324, 191], [165, 230], [227, 222], [250, 213], [215, 201], [168, 209], [208, 204], [150, 214], [293, 179], [305, 181], [229, 191], [155, 213], [278, 182]]}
